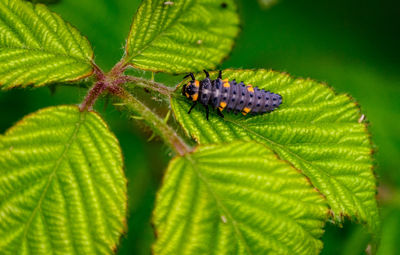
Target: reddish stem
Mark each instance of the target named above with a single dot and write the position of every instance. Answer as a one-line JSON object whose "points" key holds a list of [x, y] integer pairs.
{"points": [[118, 69], [112, 81], [92, 96], [98, 72], [109, 81]]}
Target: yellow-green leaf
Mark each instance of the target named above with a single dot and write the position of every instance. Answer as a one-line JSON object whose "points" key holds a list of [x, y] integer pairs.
{"points": [[237, 198], [62, 187], [181, 35], [37, 47], [320, 133]]}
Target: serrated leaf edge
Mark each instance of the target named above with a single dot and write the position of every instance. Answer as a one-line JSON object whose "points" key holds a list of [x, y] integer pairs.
{"points": [[338, 218], [91, 58], [227, 213], [123, 230]]}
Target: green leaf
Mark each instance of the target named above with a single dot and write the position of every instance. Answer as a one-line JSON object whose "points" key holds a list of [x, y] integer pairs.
{"points": [[105, 23], [37, 47], [314, 129], [62, 188], [182, 35], [237, 198]]}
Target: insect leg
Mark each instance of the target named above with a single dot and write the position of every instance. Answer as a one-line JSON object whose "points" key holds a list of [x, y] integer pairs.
{"points": [[207, 74], [220, 74], [191, 75], [207, 111], [220, 113], [191, 108]]}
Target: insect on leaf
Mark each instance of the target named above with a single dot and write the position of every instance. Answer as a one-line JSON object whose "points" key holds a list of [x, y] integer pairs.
{"points": [[314, 129], [182, 35], [37, 47], [237, 198], [62, 187]]}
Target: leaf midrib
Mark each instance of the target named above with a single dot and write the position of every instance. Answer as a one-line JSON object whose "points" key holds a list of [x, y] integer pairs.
{"points": [[177, 97], [49, 29], [148, 44], [354, 198], [220, 204], [82, 118], [80, 60]]}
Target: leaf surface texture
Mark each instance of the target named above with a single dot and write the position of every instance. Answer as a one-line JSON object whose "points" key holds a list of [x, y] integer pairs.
{"points": [[37, 47], [237, 198], [62, 188], [317, 131], [181, 36]]}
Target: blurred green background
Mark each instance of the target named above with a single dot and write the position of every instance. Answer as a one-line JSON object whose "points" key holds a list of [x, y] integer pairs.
{"points": [[352, 45]]}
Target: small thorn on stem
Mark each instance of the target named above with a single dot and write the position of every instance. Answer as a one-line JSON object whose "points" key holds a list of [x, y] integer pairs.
{"points": [[153, 135], [361, 119], [223, 218], [136, 117], [167, 116]]}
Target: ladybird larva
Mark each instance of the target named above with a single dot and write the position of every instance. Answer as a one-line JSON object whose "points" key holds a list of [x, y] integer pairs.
{"points": [[224, 94]]}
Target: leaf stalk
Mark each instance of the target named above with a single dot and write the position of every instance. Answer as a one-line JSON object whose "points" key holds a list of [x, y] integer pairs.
{"points": [[155, 122], [112, 82], [149, 84]]}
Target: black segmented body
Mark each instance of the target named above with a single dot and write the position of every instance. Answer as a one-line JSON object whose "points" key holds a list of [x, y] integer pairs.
{"points": [[230, 95]]}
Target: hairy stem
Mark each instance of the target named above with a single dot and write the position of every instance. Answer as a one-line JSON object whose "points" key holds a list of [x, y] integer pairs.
{"points": [[92, 95], [118, 69], [112, 82], [149, 84], [98, 72], [157, 124], [109, 81]]}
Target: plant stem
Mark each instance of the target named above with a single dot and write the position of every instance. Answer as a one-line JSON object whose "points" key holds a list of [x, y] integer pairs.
{"points": [[109, 81], [112, 82], [98, 72], [152, 85], [92, 95], [157, 124], [118, 69]]}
